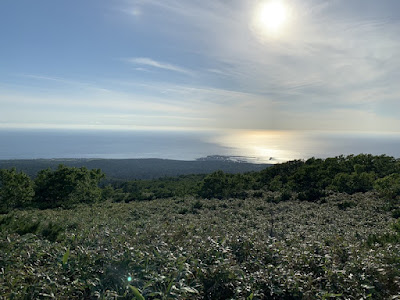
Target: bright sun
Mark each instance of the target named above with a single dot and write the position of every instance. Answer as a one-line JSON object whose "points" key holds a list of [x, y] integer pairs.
{"points": [[273, 15]]}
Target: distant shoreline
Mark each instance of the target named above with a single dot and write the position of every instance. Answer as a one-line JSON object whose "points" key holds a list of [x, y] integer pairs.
{"points": [[136, 168]]}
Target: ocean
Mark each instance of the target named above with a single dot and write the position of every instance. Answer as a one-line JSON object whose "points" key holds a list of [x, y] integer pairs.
{"points": [[254, 146]]}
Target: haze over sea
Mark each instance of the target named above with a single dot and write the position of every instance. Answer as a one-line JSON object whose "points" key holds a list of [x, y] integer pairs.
{"points": [[271, 80], [255, 146]]}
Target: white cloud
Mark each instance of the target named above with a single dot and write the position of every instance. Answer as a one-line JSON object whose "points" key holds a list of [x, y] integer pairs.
{"points": [[144, 61], [333, 68]]}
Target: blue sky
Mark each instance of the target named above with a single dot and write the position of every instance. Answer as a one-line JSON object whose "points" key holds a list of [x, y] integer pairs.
{"points": [[176, 65]]}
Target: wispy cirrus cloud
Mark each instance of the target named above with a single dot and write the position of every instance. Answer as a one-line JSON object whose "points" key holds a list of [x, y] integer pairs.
{"points": [[145, 61], [334, 66]]}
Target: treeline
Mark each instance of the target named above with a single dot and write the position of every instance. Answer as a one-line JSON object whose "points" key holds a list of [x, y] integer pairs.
{"points": [[130, 169], [63, 187], [312, 179], [308, 180]]}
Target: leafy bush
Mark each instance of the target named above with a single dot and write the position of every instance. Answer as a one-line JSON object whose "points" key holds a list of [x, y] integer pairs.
{"points": [[218, 284], [19, 224], [26, 225], [311, 195], [215, 185], [197, 205], [285, 195], [346, 204], [16, 190], [67, 186], [351, 174], [396, 213], [354, 182], [51, 231], [258, 194], [389, 186], [387, 238], [276, 184]]}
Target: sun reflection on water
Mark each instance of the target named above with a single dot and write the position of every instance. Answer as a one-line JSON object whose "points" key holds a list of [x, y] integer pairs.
{"points": [[262, 146], [279, 146]]}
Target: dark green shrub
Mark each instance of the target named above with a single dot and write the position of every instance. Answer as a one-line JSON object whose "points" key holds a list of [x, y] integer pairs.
{"points": [[396, 213], [218, 284], [387, 238], [16, 190], [258, 194], [284, 170], [311, 195], [285, 195], [67, 186], [24, 226], [6, 220], [389, 186], [354, 182], [51, 231], [197, 205], [120, 196], [221, 186], [19, 224], [272, 199], [241, 249], [183, 211], [346, 204], [396, 227], [215, 185], [363, 182], [108, 192], [163, 193], [275, 184]]}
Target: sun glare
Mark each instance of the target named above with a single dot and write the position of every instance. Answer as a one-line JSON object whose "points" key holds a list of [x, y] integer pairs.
{"points": [[272, 16]]}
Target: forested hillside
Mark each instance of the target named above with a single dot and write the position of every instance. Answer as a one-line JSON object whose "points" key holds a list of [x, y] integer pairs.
{"points": [[309, 180], [128, 169]]}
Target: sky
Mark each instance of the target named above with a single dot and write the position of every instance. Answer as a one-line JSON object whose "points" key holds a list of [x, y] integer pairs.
{"points": [[200, 65]]}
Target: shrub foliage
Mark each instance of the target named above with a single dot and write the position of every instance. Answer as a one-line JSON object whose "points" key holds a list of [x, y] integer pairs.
{"points": [[16, 190], [67, 186], [215, 236]]}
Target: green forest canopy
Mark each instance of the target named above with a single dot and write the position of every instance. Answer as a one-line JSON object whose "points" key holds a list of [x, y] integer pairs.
{"points": [[307, 180]]}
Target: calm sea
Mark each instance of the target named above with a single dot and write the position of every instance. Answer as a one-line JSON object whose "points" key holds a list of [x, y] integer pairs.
{"points": [[257, 146]]}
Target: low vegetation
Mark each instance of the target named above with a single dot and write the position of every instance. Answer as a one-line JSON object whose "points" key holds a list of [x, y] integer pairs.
{"points": [[187, 248], [315, 229]]}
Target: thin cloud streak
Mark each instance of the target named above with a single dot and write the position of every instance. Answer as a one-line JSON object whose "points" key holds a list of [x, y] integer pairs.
{"points": [[333, 67], [144, 61]]}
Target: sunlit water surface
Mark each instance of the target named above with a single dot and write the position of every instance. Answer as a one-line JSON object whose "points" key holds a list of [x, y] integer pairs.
{"points": [[255, 146]]}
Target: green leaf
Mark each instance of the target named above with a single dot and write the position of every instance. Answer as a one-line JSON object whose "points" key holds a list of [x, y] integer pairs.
{"points": [[190, 290], [65, 257], [169, 287], [331, 296], [137, 294]]}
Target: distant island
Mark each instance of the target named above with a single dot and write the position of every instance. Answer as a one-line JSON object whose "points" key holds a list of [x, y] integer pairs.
{"points": [[230, 158], [233, 158]]}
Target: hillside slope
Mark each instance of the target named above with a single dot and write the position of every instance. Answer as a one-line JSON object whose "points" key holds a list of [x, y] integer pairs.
{"points": [[128, 169]]}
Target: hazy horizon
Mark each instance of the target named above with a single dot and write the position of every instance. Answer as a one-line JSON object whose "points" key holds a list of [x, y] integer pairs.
{"points": [[253, 146]]}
